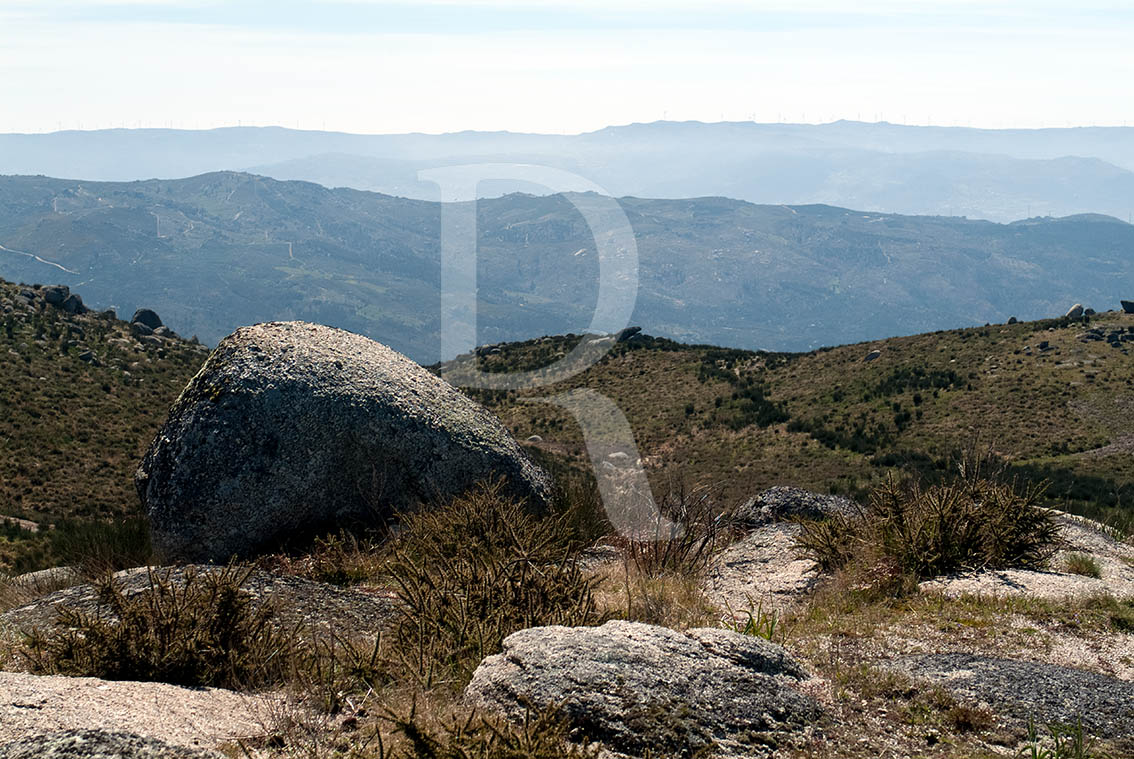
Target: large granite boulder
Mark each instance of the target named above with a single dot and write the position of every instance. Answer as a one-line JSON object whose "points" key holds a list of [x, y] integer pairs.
{"points": [[293, 427], [638, 688]]}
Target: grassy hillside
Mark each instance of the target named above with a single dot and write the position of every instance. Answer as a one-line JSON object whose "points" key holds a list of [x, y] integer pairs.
{"points": [[72, 430], [832, 421]]}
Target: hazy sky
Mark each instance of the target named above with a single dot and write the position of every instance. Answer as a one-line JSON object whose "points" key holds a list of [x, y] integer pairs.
{"points": [[549, 66]]}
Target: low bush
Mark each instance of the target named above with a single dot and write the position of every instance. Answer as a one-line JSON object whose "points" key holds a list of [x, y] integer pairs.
{"points": [[1082, 564], [973, 522], [202, 631], [682, 542], [473, 572]]}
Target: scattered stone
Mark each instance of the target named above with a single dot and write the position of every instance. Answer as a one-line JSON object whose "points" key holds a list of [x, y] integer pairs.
{"points": [[99, 744], [873, 356], [625, 334], [164, 331], [147, 317], [1048, 693], [140, 330], [293, 427], [1075, 312], [89, 357], [638, 688], [781, 504], [74, 304], [56, 294], [534, 439]]}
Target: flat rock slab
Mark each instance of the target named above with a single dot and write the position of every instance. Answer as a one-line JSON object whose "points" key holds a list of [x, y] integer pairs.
{"points": [[638, 688], [1047, 693], [762, 570], [98, 744], [1114, 558], [296, 601], [34, 705]]}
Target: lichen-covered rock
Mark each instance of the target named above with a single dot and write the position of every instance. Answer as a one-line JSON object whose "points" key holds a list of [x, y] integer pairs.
{"points": [[290, 427], [1047, 693], [98, 744], [781, 504], [638, 688]]}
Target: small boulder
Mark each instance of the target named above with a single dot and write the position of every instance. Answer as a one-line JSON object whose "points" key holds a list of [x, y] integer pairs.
{"points": [[74, 304], [140, 330], [147, 317], [1013, 320], [164, 331], [56, 294], [1075, 312], [782, 504], [639, 688], [874, 355], [1128, 306], [625, 334], [290, 428]]}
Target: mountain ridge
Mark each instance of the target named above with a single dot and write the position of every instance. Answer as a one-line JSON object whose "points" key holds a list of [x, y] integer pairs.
{"points": [[219, 250]]}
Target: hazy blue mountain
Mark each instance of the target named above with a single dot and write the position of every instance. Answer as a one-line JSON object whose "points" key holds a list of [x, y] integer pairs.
{"points": [[217, 251], [1001, 175]]}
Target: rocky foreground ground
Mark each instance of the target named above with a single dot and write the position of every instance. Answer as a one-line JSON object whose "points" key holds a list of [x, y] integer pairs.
{"points": [[1027, 647]]}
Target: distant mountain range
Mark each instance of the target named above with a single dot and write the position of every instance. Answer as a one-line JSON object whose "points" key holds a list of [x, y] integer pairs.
{"points": [[221, 250], [1001, 175]]}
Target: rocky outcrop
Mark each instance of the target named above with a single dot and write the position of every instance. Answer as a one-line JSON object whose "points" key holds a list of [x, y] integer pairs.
{"points": [[1047, 693], [1075, 312], [781, 504], [146, 317], [98, 744], [638, 688], [295, 601], [291, 427]]}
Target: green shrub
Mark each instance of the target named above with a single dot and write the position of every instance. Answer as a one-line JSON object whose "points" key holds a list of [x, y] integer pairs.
{"points": [[1061, 742], [972, 523], [1082, 564], [202, 631], [475, 571]]}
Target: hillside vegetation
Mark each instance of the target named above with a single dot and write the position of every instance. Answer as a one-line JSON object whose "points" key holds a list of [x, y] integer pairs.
{"points": [[1048, 399], [73, 432], [73, 429]]}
